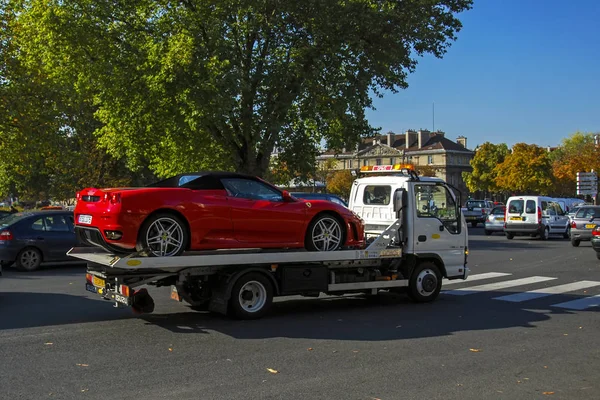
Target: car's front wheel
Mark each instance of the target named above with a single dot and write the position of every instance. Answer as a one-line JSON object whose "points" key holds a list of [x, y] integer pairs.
{"points": [[163, 235], [325, 233]]}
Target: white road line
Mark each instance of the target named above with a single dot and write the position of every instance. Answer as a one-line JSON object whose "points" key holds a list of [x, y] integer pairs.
{"points": [[580, 304], [498, 285], [535, 294], [477, 277]]}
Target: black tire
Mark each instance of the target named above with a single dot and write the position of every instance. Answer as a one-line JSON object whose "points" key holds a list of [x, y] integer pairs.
{"points": [[567, 234], [488, 233], [332, 223], [253, 284], [545, 233], [150, 227], [509, 236], [29, 259], [598, 255], [473, 224], [575, 242], [425, 282]]}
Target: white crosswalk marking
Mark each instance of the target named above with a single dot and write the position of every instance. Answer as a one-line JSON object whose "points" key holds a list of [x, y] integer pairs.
{"points": [[580, 304], [535, 294], [477, 277], [498, 285]]}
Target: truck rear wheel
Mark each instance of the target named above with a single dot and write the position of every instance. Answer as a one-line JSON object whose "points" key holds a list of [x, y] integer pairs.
{"points": [[251, 296], [425, 282]]}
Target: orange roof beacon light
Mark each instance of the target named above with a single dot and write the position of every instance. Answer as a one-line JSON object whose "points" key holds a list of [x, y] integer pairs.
{"points": [[404, 169]]}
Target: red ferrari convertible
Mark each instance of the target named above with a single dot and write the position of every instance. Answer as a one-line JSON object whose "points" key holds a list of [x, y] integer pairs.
{"points": [[208, 211]]}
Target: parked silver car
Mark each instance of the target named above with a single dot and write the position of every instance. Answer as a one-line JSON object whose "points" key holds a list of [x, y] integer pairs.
{"points": [[494, 222], [582, 224]]}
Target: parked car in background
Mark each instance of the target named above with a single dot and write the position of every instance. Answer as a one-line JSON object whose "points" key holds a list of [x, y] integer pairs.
{"points": [[583, 223], [31, 238], [4, 214], [495, 220], [476, 211], [320, 196], [209, 211], [535, 216]]}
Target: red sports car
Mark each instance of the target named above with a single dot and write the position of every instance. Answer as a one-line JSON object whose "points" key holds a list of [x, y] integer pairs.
{"points": [[211, 210]]}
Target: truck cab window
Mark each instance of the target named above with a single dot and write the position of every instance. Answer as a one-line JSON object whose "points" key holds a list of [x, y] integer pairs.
{"points": [[436, 201]]}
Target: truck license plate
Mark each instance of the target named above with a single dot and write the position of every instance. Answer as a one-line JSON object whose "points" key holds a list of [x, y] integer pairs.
{"points": [[98, 282], [85, 219]]}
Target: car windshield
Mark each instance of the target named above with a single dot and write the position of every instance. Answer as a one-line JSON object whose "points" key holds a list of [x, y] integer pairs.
{"points": [[588, 213], [12, 218], [476, 204]]}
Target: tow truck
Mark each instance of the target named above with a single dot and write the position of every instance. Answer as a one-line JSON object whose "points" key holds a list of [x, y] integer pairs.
{"points": [[413, 254]]}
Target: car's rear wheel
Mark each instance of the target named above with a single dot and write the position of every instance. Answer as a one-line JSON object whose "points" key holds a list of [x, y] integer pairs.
{"points": [[598, 255], [575, 243], [325, 233], [29, 259], [509, 235], [488, 233], [163, 235]]}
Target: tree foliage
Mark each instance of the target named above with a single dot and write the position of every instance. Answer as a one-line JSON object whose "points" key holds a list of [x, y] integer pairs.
{"points": [[219, 84], [484, 174], [527, 169], [340, 183], [577, 153], [48, 147]]}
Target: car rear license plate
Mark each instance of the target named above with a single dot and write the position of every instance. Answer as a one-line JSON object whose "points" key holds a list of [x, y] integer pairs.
{"points": [[590, 226], [500, 219], [98, 282], [515, 218], [91, 288], [84, 219]]}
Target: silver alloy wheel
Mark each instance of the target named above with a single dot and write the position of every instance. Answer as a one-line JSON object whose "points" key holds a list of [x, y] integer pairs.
{"points": [[326, 235], [427, 282], [30, 259], [164, 237], [252, 296]]}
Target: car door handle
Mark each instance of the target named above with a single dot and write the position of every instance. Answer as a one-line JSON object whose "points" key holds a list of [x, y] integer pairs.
{"points": [[422, 238]]}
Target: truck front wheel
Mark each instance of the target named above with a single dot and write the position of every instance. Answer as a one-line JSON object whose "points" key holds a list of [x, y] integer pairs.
{"points": [[251, 296], [425, 282]]}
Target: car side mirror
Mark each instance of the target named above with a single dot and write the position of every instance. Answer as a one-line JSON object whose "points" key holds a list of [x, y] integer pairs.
{"points": [[287, 197], [398, 200]]}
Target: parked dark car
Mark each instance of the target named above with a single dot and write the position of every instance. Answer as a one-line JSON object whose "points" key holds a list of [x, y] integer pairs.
{"points": [[4, 214], [29, 238], [320, 196]]}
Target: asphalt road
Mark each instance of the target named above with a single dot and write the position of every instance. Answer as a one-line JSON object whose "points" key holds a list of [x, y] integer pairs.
{"points": [[58, 342]]}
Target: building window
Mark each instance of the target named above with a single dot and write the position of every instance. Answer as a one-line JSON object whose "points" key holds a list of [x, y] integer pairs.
{"points": [[378, 161], [429, 159], [392, 159], [343, 164], [365, 162], [350, 164]]}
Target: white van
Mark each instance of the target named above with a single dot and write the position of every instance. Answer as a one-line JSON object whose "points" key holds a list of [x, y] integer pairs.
{"points": [[536, 216]]}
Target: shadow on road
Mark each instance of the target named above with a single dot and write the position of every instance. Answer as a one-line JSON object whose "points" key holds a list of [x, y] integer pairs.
{"points": [[392, 317], [28, 310]]}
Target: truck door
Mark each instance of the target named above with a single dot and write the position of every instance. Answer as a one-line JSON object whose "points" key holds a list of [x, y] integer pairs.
{"points": [[438, 227]]}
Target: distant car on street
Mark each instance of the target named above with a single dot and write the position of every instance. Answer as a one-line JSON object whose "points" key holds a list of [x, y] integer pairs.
{"points": [[30, 238], [495, 220], [583, 223]]}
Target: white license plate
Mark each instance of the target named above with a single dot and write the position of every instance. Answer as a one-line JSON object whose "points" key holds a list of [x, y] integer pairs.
{"points": [[85, 219]]}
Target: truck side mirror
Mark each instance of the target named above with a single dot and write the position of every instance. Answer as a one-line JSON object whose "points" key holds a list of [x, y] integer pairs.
{"points": [[398, 199]]}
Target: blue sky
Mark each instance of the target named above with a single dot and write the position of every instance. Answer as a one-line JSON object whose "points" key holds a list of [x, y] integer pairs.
{"points": [[520, 71]]}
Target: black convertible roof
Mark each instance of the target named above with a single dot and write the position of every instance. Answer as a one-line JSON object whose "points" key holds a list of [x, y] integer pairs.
{"points": [[201, 175]]}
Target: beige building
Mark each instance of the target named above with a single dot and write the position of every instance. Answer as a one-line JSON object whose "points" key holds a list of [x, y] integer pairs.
{"points": [[431, 151]]}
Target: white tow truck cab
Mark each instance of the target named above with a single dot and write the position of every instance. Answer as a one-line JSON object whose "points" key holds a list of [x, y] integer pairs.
{"points": [[417, 238]]}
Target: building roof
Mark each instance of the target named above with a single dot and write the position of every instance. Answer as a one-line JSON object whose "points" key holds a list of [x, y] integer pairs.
{"points": [[438, 142]]}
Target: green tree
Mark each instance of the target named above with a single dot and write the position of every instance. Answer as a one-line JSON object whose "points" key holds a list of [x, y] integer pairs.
{"points": [[527, 169], [219, 84], [340, 183], [577, 153], [484, 173]]}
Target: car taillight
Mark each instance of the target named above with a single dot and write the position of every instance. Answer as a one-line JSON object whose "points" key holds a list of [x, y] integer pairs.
{"points": [[539, 215], [483, 211], [113, 198], [6, 235], [573, 224], [78, 195], [596, 231]]}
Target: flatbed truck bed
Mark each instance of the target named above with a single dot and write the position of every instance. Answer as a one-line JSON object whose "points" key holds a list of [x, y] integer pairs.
{"points": [[243, 283]]}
